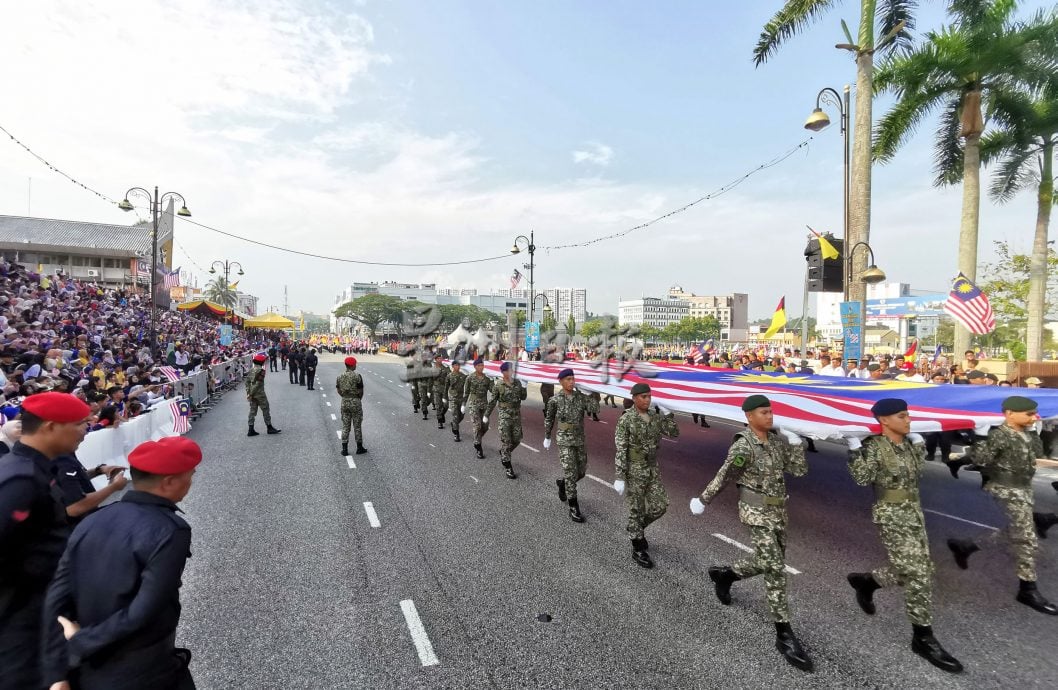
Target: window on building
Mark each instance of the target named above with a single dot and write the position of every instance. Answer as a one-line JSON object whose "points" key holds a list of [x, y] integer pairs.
{"points": [[94, 262]]}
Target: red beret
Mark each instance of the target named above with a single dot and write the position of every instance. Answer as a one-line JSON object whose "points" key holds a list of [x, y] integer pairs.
{"points": [[350, 361], [170, 455], [57, 407], [259, 358]]}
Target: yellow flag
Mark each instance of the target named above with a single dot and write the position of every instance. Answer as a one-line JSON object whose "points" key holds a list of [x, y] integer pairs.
{"points": [[778, 319], [234, 286], [828, 250]]}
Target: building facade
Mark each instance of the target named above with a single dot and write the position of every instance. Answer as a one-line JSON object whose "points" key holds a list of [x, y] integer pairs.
{"points": [[653, 311], [731, 311]]}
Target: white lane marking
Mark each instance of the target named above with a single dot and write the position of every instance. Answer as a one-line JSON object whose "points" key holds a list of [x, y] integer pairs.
{"points": [[601, 481], [418, 634], [338, 431], [328, 403], [670, 440], [372, 516], [526, 445], [333, 417], [323, 394], [740, 545], [474, 478], [432, 445], [393, 414], [955, 517], [603, 421], [349, 459]]}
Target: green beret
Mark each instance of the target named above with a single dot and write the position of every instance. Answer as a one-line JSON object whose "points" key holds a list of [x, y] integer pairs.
{"points": [[640, 388], [1019, 403], [755, 401]]}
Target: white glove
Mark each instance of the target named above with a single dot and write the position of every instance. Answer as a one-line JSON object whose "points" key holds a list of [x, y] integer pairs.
{"points": [[619, 486], [462, 409], [547, 443], [854, 443], [790, 436], [697, 507], [484, 419], [916, 438]]}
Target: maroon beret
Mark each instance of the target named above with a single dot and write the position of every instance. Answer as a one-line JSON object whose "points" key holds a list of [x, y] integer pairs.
{"points": [[259, 358], [170, 455], [63, 408], [350, 361]]}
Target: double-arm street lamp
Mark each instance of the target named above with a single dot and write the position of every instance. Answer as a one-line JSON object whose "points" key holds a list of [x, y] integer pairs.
{"points": [[226, 267], [155, 202], [531, 248]]}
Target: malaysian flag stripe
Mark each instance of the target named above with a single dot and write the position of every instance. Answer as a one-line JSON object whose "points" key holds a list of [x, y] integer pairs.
{"points": [[179, 409], [970, 307], [170, 373]]}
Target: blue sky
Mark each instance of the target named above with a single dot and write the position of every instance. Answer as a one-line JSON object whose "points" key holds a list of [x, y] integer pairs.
{"points": [[433, 131]]}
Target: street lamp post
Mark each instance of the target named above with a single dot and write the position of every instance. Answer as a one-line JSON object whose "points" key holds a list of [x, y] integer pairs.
{"points": [[155, 202], [871, 275], [225, 266], [819, 121], [531, 247]]}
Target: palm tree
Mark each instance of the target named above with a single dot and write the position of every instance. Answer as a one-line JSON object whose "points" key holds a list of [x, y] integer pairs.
{"points": [[894, 21], [961, 70], [1023, 151], [219, 292]]}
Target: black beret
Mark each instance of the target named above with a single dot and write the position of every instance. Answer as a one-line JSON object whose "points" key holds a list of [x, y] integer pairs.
{"points": [[1019, 403], [975, 374], [755, 401], [873, 367], [564, 373], [640, 388], [888, 406]]}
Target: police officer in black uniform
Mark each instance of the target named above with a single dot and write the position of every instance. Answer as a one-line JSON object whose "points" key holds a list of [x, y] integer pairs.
{"points": [[273, 354], [33, 529], [294, 360], [113, 608], [303, 353], [310, 364]]}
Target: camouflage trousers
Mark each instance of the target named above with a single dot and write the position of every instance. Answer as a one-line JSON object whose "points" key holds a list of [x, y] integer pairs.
{"points": [[260, 401], [425, 387], [574, 461], [352, 416], [910, 565], [439, 404], [476, 412], [768, 559], [457, 416], [1020, 532], [414, 385], [646, 500], [510, 436]]}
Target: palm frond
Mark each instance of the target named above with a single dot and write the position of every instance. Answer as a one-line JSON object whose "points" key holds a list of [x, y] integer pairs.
{"points": [[948, 146], [790, 20], [892, 13], [897, 126], [1014, 172]]}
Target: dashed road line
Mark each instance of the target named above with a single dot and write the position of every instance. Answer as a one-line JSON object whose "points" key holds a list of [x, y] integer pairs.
{"points": [[432, 445], [747, 549], [670, 440], [418, 634], [601, 481], [333, 417], [328, 403], [526, 445], [473, 477], [955, 517], [349, 459], [338, 432], [372, 516]]}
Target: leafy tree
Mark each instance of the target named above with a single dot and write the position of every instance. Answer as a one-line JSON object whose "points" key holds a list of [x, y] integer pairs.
{"points": [[373, 310], [470, 315], [547, 323], [649, 333], [698, 328], [1006, 283], [219, 292], [592, 327], [571, 326]]}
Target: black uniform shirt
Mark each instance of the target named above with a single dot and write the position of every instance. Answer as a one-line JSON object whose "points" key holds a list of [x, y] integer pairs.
{"points": [[311, 361], [72, 478]]}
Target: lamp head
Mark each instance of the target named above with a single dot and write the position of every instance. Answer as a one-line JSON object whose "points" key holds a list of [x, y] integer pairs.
{"points": [[873, 275], [212, 270], [242, 274], [124, 205], [817, 121], [515, 249], [184, 212]]}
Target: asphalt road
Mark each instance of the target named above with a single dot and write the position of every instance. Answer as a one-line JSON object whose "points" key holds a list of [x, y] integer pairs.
{"points": [[295, 583]]}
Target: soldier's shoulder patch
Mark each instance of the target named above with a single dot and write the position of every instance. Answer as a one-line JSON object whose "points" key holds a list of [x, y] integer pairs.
{"points": [[739, 461]]}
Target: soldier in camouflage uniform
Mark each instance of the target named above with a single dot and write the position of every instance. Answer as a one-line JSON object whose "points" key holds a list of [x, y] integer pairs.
{"points": [[892, 463], [255, 393], [568, 408], [475, 397], [508, 393], [425, 385], [757, 461], [350, 386], [454, 395], [1007, 462], [637, 437], [440, 389]]}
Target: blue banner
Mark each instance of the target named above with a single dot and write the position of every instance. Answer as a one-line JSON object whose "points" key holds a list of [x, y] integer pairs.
{"points": [[852, 330], [532, 336], [225, 335]]}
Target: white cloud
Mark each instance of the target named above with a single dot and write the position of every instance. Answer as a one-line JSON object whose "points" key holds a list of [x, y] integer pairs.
{"points": [[594, 153]]}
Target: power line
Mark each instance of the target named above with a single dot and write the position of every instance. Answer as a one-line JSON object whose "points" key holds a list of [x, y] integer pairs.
{"points": [[51, 167]]}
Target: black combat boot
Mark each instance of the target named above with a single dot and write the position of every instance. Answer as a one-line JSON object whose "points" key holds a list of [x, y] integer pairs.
{"points": [[927, 647], [252, 431], [441, 423], [595, 417], [455, 432], [1054, 485], [1031, 597], [640, 555], [574, 510], [705, 424], [788, 645], [360, 450], [811, 449], [561, 483], [481, 452], [425, 413], [864, 584], [509, 471], [415, 407], [1043, 522], [273, 430], [955, 465], [345, 448], [962, 549], [723, 577]]}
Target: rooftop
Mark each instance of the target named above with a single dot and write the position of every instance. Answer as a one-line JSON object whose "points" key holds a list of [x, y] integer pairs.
{"points": [[95, 239]]}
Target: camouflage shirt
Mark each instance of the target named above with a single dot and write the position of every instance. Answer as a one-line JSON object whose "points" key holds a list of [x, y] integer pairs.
{"points": [[568, 411], [1008, 457], [350, 385], [255, 381], [440, 382], [637, 438], [455, 382], [889, 466], [476, 389], [758, 466], [509, 396]]}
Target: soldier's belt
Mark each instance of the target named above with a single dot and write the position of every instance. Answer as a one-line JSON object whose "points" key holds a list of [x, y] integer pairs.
{"points": [[894, 495], [755, 498], [565, 426], [1014, 481], [506, 405]]}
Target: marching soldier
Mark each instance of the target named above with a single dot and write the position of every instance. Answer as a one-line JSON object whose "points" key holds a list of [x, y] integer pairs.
{"points": [[568, 408], [892, 463], [425, 386], [757, 461], [293, 360], [454, 385], [350, 386], [311, 362], [440, 388], [475, 396], [33, 529], [508, 393], [255, 393], [637, 437], [1007, 461]]}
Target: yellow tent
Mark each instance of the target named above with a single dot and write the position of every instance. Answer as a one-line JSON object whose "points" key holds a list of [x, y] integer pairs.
{"points": [[269, 320]]}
